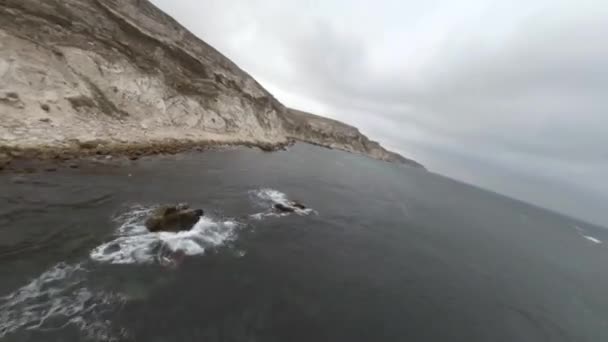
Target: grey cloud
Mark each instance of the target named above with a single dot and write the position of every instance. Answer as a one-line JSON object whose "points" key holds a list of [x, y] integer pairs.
{"points": [[516, 90]]}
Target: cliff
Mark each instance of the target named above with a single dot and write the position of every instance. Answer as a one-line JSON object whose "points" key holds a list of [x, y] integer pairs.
{"points": [[120, 75], [326, 132]]}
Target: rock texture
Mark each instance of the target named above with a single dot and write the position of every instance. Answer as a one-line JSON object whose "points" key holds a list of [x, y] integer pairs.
{"points": [[175, 218], [334, 134], [118, 75]]}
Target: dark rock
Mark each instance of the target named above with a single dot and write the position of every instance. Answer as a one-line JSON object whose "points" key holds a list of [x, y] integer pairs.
{"points": [[173, 218], [11, 98], [283, 208], [73, 166], [298, 205], [266, 147], [290, 207], [50, 169], [45, 107]]}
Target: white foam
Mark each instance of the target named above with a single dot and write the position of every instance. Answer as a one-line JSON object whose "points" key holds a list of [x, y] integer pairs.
{"points": [[592, 239], [60, 296], [55, 299], [263, 215], [270, 196], [136, 245], [267, 198], [584, 235]]}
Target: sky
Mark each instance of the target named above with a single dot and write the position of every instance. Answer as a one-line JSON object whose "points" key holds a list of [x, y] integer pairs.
{"points": [[511, 96]]}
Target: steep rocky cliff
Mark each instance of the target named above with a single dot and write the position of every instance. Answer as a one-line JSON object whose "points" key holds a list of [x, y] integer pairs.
{"points": [[334, 134], [81, 74]]}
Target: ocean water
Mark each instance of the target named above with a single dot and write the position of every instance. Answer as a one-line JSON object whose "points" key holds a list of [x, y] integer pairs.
{"points": [[384, 253]]}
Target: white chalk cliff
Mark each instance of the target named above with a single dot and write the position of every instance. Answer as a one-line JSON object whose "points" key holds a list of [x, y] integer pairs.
{"points": [[122, 72]]}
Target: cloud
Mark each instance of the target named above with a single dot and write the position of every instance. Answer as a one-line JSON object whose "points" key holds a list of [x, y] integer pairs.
{"points": [[473, 89]]}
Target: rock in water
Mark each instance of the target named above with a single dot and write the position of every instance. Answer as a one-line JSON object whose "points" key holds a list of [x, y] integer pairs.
{"points": [[290, 207], [283, 208], [173, 218], [298, 205]]}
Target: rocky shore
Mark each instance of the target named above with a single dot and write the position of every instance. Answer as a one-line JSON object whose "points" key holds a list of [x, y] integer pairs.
{"points": [[49, 158], [122, 78]]}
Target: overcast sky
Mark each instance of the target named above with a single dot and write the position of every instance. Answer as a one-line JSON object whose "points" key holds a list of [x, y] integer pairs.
{"points": [[510, 95]]}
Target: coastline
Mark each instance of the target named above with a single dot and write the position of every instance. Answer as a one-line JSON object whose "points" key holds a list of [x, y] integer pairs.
{"points": [[131, 81], [19, 159]]}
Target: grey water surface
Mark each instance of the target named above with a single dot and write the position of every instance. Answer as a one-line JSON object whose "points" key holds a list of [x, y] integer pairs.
{"points": [[387, 253]]}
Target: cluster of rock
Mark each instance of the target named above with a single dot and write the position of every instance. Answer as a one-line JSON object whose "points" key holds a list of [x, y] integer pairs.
{"points": [[12, 157], [180, 217]]}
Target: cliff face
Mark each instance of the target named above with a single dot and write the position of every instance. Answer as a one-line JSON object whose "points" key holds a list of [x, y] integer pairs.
{"points": [[123, 72], [334, 134]]}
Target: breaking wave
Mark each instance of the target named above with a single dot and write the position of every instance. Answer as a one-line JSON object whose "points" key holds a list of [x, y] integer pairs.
{"points": [[267, 198], [63, 295], [134, 244], [56, 299], [583, 233], [592, 239]]}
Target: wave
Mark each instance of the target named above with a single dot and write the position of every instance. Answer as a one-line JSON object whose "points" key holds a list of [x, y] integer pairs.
{"points": [[56, 299], [267, 198], [583, 233], [63, 295], [592, 239], [136, 245]]}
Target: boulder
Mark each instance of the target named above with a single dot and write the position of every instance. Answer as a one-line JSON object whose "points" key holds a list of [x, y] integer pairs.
{"points": [[284, 208], [290, 207], [298, 205], [173, 218]]}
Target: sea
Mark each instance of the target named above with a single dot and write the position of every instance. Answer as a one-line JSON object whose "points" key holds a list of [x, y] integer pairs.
{"points": [[383, 252]]}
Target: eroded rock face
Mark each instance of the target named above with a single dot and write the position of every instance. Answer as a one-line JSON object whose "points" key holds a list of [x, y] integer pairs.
{"points": [[120, 70], [334, 134], [173, 219], [124, 72]]}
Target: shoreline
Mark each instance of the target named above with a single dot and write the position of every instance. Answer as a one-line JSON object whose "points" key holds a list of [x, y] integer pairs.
{"points": [[134, 82], [18, 159]]}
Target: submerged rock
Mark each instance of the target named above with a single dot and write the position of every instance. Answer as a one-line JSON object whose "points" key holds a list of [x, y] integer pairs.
{"points": [[298, 205], [173, 218], [283, 208], [290, 207]]}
